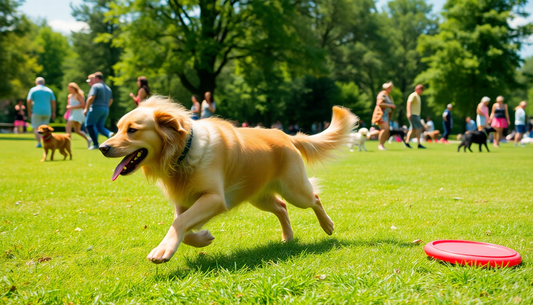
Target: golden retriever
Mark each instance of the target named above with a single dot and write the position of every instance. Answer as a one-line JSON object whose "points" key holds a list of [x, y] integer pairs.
{"points": [[54, 141], [208, 167]]}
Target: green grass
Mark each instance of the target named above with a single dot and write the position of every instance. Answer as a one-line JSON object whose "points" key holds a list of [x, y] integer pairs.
{"points": [[365, 261]]}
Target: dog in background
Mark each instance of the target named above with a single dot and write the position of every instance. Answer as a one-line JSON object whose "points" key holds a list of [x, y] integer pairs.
{"points": [[54, 141], [358, 138], [208, 167], [400, 132], [476, 136]]}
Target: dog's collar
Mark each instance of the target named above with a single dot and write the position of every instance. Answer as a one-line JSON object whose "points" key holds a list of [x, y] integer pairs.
{"points": [[186, 149], [48, 138]]}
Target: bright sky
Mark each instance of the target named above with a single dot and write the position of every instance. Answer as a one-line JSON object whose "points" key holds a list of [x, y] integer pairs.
{"points": [[58, 14]]}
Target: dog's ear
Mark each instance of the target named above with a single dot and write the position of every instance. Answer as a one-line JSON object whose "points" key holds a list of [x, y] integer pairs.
{"points": [[170, 128], [50, 128]]}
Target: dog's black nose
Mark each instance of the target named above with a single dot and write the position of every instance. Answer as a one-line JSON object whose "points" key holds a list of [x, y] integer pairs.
{"points": [[104, 148]]}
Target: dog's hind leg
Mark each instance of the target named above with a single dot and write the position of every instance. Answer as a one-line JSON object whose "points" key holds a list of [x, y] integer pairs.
{"points": [[298, 191], [63, 152], [69, 150], [198, 239], [270, 203]]}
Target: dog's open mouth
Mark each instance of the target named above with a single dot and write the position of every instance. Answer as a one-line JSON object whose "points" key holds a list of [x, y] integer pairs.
{"points": [[130, 163]]}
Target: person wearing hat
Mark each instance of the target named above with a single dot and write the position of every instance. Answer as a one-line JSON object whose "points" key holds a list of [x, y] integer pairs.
{"points": [[414, 105], [97, 108], [482, 110], [447, 123], [383, 113]]}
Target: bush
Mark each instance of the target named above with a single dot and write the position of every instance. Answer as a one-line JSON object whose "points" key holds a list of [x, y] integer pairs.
{"points": [[58, 127]]}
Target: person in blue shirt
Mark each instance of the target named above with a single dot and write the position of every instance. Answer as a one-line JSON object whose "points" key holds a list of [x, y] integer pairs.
{"points": [[97, 108], [41, 105], [447, 122], [470, 125]]}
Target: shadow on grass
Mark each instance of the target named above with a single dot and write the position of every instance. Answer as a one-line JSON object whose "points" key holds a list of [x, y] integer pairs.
{"points": [[273, 252]]}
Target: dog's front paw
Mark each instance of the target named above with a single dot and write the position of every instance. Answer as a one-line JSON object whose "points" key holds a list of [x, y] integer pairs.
{"points": [[161, 254], [199, 239]]}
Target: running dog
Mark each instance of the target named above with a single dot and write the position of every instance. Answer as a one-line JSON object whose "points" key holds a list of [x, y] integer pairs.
{"points": [[358, 138], [54, 141], [477, 136], [208, 167]]}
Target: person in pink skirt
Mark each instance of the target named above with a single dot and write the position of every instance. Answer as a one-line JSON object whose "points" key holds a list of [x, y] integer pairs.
{"points": [[499, 119]]}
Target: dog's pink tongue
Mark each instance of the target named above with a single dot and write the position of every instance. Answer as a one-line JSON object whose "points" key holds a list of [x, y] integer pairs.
{"points": [[123, 163]]}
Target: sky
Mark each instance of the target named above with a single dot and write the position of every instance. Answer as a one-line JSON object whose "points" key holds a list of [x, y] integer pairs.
{"points": [[58, 14]]}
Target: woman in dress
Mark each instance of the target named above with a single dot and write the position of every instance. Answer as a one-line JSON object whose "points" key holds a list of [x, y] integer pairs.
{"points": [[383, 113], [482, 110], [195, 108], [143, 92], [75, 106], [499, 119], [208, 106]]}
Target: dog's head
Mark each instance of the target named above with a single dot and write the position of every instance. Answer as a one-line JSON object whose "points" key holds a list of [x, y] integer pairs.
{"points": [[45, 130], [489, 129], [363, 131], [151, 136]]}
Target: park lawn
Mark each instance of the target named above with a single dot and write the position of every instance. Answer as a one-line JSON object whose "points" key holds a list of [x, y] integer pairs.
{"points": [[380, 202]]}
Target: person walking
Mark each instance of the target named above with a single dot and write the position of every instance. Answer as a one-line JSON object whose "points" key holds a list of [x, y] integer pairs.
{"points": [[383, 113], [97, 108], [414, 105], [482, 110], [41, 103], [195, 108], [499, 119], [20, 116], [447, 123], [75, 106], [143, 92], [208, 106], [520, 122]]}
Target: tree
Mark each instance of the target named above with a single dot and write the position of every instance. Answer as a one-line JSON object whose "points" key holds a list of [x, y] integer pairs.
{"points": [[408, 19], [95, 51], [475, 54], [53, 49], [195, 40]]}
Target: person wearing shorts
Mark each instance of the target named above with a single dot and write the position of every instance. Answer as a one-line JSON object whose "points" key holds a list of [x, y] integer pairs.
{"points": [[520, 122], [414, 106], [382, 114], [41, 103]]}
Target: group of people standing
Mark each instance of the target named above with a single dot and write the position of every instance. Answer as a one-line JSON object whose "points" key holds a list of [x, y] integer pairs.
{"points": [[498, 119], [81, 114], [206, 109]]}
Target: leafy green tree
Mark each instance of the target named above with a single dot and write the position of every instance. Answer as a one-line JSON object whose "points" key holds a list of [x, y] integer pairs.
{"points": [[474, 54], [53, 49], [195, 40], [18, 67], [95, 51]]}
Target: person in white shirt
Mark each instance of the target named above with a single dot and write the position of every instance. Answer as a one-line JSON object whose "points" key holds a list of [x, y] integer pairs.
{"points": [[520, 122]]}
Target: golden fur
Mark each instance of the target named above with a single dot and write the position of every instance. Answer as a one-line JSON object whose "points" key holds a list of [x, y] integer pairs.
{"points": [[54, 141], [224, 167]]}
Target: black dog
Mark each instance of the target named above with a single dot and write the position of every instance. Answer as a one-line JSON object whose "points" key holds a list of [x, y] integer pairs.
{"points": [[478, 136], [400, 133]]}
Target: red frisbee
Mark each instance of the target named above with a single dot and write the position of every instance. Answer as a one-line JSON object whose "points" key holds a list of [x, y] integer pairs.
{"points": [[472, 253]]}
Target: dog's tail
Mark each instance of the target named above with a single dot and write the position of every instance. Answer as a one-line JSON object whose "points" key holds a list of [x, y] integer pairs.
{"points": [[321, 147]]}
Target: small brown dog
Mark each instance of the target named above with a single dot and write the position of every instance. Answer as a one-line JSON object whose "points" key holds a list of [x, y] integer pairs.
{"points": [[54, 141], [432, 136]]}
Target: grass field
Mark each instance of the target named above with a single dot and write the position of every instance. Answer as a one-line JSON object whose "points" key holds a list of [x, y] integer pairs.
{"points": [[69, 234]]}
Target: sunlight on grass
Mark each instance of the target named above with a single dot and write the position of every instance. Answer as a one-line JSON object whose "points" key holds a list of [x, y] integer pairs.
{"points": [[69, 234]]}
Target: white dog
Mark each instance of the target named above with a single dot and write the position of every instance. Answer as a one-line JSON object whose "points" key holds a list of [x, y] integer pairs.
{"points": [[358, 138]]}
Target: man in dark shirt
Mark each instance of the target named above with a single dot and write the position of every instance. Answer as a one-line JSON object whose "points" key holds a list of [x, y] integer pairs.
{"points": [[97, 108], [447, 123]]}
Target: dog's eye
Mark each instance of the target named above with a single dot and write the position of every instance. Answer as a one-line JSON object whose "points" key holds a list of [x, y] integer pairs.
{"points": [[131, 130]]}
